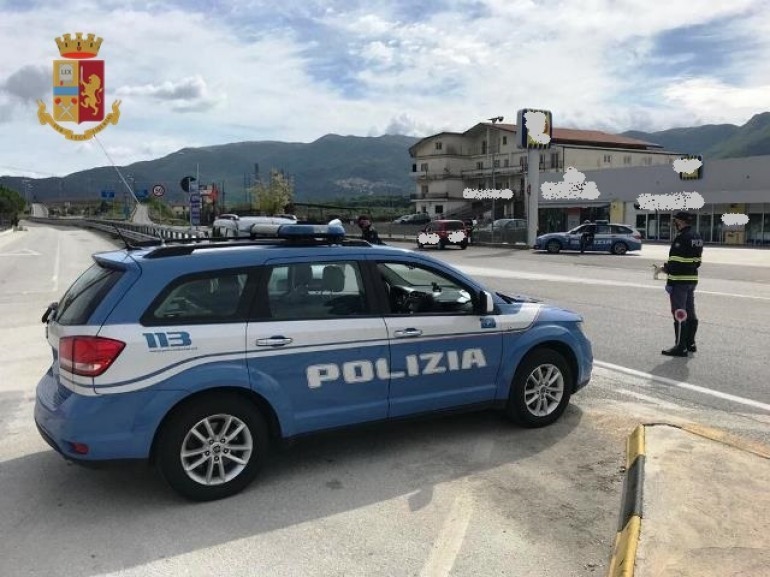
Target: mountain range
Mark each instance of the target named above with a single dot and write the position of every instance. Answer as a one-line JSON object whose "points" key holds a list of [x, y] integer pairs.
{"points": [[339, 166]]}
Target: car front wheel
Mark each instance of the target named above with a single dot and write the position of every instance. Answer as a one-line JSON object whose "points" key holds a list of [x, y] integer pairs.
{"points": [[553, 246], [212, 447], [540, 390]]}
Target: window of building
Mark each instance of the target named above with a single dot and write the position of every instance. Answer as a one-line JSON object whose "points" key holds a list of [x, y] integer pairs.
{"points": [[483, 147], [607, 159], [627, 159], [542, 160], [554, 160], [505, 140], [424, 189], [438, 146], [480, 165], [647, 161], [439, 208], [506, 162], [497, 163], [424, 167]]}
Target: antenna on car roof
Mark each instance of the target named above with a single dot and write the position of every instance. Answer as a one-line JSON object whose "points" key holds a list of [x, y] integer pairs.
{"points": [[129, 246]]}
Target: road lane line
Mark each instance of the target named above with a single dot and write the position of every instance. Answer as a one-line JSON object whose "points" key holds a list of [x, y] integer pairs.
{"points": [[520, 275], [442, 557], [55, 278], [683, 385]]}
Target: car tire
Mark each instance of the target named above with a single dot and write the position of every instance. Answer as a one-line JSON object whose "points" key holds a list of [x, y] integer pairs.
{"points": [[216, 475], [442, 244], [464, 244], [619, 248], [540, 390], [553, 246], [420, 246]]}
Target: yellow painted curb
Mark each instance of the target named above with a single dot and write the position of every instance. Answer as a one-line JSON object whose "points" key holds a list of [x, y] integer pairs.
{"points": [[626, 542]]}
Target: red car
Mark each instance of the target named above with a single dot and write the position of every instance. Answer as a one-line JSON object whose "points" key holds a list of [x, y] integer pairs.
{"points": [[442, 233]]}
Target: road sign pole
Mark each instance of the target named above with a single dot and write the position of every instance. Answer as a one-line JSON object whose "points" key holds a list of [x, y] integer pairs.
{"points": [[533, 178]]}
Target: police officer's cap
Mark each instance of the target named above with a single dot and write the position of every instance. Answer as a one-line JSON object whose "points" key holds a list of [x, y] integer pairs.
{"points": [[683, 216]]}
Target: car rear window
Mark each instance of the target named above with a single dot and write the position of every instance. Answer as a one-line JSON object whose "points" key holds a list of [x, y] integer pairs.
{"points": [[617, 229], [82, 298]]}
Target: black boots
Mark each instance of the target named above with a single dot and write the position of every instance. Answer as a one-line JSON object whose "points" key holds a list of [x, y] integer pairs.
{"points": [[682, 343], [692, 329]]}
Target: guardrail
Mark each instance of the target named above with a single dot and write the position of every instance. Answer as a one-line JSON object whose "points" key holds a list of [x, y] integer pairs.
{"points": [[139, 232], [130, 230]]}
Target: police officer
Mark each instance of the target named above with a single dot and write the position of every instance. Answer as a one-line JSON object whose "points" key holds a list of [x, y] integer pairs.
{"points": [[587, 237], [684, 259], [368, 232]]}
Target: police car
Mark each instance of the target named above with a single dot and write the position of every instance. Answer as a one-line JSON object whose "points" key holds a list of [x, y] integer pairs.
{"points": [[198, 356], [607, 237]]}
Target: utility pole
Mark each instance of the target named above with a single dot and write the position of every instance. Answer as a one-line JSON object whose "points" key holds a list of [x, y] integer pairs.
{"points": [[494, 120]]}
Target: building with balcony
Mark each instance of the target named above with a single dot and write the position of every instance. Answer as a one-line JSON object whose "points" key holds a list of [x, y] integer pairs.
{"points": [[485, 157], [622, 168]]}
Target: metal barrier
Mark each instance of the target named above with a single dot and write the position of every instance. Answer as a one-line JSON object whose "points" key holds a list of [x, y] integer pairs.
{"points": [[129, 230]]}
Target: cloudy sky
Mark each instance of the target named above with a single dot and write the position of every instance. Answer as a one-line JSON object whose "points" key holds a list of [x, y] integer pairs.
{"points": [[203, 72]]}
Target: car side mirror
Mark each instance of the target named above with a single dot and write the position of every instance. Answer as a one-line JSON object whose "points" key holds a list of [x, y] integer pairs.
{"points": [[486, 303]]}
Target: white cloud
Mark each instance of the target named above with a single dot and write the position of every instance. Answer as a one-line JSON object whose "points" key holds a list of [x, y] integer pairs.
{"points": [[296, 70]]}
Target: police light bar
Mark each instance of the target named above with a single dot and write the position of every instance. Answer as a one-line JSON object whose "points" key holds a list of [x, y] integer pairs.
{"points": [[298, 231]]}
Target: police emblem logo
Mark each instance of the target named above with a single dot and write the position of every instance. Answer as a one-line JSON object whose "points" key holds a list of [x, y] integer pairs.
{"points": [[78, 88]]}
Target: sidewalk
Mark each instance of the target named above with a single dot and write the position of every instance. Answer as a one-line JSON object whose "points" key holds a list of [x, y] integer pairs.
{"points": [[702, 507]]}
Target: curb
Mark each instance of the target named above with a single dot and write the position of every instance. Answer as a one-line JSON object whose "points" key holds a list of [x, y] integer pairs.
{"points": [[629, 527]]}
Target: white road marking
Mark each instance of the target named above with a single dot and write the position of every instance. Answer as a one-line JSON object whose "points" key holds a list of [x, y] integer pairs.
{"points": [[22, 252], [492, 272], [55, 278], [683, 385], [447, 546]]}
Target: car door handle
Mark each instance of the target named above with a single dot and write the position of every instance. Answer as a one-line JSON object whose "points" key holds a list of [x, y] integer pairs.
{"points": [[407, 333], [274, 342]]}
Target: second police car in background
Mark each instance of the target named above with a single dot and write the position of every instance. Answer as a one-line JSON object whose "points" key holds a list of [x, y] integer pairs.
{"points": [[198, 356], [608, 237]]}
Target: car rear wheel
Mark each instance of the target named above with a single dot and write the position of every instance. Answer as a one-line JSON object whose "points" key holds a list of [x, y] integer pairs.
{"points": [[553, 246], [540, 390], [212, 447], [619, 248]]}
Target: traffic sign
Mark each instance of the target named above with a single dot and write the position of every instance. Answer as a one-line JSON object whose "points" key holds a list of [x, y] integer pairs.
{"points": [[108, 194], [142, 193], [158, 190]]}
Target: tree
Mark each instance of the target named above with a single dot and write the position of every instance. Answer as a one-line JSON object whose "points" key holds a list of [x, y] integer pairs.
{"points": [[272, 197], [11, 202]]}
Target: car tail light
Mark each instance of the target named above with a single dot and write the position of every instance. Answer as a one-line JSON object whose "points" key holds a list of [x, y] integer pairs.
{"points": [[637, 235], [88, 356]]}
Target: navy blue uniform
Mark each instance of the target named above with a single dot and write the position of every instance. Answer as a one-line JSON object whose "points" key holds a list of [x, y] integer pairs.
{"points": [[684, 260]]}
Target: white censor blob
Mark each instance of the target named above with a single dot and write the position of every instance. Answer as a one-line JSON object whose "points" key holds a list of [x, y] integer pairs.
{"points": [[735, 219], [506, 194], [687, 165], [673, 201], [428, 238], [573, 185], [536, 129], [456, 236]]}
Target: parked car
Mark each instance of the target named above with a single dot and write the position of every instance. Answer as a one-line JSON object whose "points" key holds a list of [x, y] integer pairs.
{"points": [[608, 237], [443, 233], [506, 230], [199, 356], [418, 218]]}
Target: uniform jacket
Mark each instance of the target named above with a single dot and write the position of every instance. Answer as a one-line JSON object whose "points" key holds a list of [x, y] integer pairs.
{"points": [[370, 235], [684, 257]]}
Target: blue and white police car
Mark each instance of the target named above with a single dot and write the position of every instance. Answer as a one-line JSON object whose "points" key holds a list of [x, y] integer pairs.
{"points": [[604, 237], [198, 356]]}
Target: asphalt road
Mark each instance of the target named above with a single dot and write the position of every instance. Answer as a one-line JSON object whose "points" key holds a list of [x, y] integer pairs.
{"points": [[464, 496]]}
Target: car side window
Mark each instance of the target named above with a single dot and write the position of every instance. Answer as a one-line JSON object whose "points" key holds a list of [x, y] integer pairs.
{"points": [[417, 290], [308, 291], [602, 229], [616, 229], [213, 298]]}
